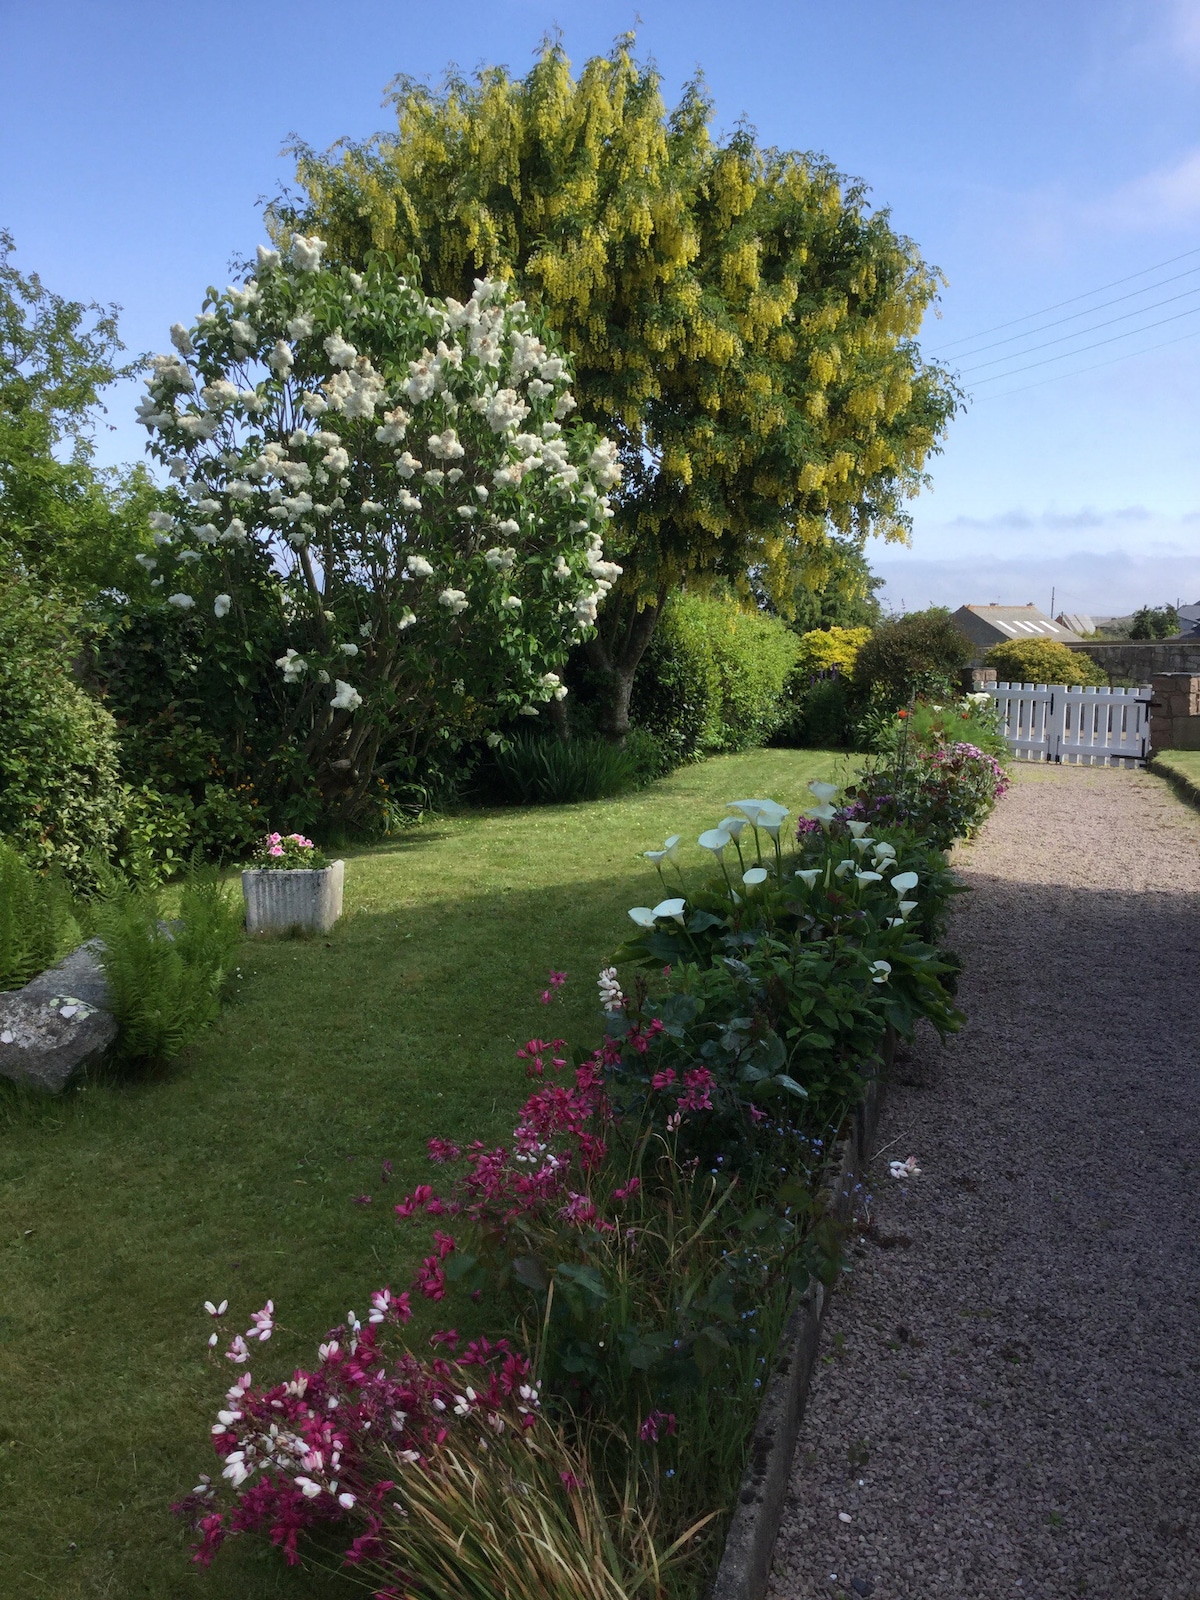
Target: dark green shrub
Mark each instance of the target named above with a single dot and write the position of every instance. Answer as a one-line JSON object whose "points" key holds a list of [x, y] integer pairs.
{"points": [[60, 791], [165, 979], [37, 926], [713, 677], [536, 771], [1043, 661], [921, 653], [819, 714]]}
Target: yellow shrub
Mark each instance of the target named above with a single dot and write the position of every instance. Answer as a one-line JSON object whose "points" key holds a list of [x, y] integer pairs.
{"points": [[824, 649]]}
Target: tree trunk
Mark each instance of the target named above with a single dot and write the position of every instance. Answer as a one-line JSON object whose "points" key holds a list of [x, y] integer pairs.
{"points": [[560, 721], [616, 652]]}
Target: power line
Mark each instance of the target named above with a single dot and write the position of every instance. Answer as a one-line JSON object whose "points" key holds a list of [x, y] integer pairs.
{"points": [[1073, 300], [1079, 332], [1057, 377], [1075, 315]]}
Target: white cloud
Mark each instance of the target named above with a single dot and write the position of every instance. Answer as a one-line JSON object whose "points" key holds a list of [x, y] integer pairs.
{"points": [[1164, 198], [1102, 582]]}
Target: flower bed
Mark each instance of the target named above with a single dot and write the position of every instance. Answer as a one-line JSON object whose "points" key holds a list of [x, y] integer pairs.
{"points": [[632, 1250]]}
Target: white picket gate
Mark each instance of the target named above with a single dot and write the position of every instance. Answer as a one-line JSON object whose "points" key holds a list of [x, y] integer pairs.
{"points": [[1094, 727]]}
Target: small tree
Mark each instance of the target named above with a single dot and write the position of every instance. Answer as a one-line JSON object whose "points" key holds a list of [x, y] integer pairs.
{"points": [[401, 470], [1154, 622], [922, 652], [1043, 661]]}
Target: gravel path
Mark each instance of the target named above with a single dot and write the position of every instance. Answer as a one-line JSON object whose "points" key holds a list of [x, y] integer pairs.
{"points": [[1007, 1402]]}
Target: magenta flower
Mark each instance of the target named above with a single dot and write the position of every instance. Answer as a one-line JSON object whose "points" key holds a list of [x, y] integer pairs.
{"points": [[648, 1432]]}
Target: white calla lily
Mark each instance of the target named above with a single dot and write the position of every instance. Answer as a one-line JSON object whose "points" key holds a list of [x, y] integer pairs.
{"points": [[906, 906], [882, 971], [750, 809], [715, 839], [643, 916], [843, 867], [670, 908], [823, 813], [903, 881], [825, 792], [883, 848], [671, 846], [868, 877], [754, 876], [857, 828], [732, 826], [809, 875]]}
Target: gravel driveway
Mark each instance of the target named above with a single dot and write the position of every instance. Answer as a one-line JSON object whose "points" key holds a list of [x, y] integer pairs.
{"points": [[1007, 1401]]}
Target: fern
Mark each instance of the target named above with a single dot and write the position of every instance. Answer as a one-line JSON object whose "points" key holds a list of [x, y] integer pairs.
{"points": [[37, 925]]}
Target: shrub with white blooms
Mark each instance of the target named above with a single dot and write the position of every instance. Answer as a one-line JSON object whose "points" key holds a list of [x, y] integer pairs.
{"points": [[406, 469]]}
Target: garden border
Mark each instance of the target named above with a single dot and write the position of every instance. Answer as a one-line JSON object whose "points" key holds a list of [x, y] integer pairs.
{"points": [[1185, 787], [750, 1540]]}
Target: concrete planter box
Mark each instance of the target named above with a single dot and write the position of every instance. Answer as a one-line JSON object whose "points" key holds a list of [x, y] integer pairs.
{"points": [[282, 899]]}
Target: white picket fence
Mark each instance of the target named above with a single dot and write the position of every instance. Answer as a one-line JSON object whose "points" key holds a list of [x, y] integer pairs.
{"points": [[1093, 727]]}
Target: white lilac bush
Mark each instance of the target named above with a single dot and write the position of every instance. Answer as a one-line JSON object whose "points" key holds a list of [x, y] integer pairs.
{"points": [[406, 471]]}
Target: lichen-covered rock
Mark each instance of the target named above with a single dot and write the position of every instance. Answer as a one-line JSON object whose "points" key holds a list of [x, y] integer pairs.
{"points": [[58, 1024]]}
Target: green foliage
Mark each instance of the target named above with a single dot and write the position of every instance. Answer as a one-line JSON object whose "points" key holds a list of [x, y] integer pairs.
{"points": [[37, 924], [77, 528], [60, 795], [1043, 661], [713, 677], [533, 770], [1154, 622], [835, 588], [921, 653], [165, 979], [743, 322], [927, 725], [818, 713]]}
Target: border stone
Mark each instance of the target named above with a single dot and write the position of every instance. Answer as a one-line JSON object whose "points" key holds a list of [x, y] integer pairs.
{"points": [[750, 1540], [59, 1024]]}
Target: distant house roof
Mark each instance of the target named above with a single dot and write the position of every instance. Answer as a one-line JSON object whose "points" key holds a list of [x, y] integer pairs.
{"points": [[1189, 613], [989, 625], [1076, 621]]}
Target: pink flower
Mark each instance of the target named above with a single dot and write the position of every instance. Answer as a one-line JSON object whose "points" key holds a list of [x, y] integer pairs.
{"points": [[262, 1323], [757, 1114], [663, 1080], [430, 1279], [362, 1199], [571, 1482], [442, 1150], [631, 1187], [557, 979], [276, 850], [239, 1350], [648, 1432]]}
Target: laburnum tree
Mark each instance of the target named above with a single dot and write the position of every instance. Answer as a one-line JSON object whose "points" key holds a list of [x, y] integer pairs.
{"points": [[742, 323], [405, 475], [66, 523]]}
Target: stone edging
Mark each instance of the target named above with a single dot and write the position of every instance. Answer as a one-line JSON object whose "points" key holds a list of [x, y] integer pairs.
{"points": [[1183, 785], [750, 1541]]}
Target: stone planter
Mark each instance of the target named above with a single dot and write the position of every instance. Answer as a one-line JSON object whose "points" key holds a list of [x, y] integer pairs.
{"points": [[280, 900]]}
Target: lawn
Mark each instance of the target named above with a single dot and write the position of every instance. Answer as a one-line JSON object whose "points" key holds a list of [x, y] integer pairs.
{"points": [[1181, 768], [236, 1173]]}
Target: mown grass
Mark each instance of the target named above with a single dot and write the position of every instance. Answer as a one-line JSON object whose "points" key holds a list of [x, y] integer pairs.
{"points": [[1181, 768], [125, 1206]]}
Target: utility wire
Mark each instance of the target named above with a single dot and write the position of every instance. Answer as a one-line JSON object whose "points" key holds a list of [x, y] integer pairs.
{"points": [[1075, 315], [969, 338], [1080, 332], [1057, 377], [1112, 338]]}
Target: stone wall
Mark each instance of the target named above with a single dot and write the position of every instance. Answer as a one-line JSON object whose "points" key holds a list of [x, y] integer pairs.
{"points": [[1141, 660], [1175, 711]]}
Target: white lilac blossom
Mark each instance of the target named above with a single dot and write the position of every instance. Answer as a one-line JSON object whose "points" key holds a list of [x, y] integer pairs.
{"points": [[184, 602], [307, 252], [292, 665], [454, 600], [221, 605], [348, 649], [346, 698]]}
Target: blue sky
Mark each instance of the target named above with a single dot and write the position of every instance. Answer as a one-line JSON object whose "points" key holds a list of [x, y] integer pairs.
{"points": [[1036, 152]]}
